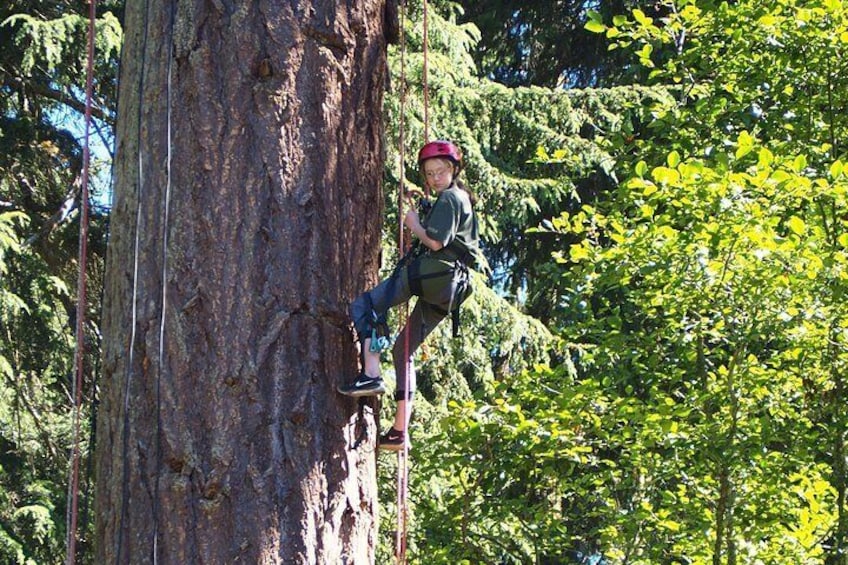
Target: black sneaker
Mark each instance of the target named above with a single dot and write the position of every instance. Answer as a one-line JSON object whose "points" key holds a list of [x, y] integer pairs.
{"points": [[393, 440], [363, 386]]}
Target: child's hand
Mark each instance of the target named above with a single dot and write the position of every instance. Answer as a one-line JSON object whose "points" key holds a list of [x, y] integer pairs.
{"points": [[411, 219]]}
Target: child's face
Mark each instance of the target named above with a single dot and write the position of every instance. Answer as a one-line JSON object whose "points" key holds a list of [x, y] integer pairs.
{"points": [[438, 173]]}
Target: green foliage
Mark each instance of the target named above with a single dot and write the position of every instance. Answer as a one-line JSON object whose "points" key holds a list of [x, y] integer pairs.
{"points": [[544, 44], [697, 291], [692, 287], [45, 54], [35, 356], [8, 237], [42, 73], [502, 471], [49, 43], [684, 242], [772, 68]]}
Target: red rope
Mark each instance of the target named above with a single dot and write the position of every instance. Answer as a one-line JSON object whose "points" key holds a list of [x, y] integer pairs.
{"points": [[73, 510], [403, 244], [425, 86], [403, 455]]}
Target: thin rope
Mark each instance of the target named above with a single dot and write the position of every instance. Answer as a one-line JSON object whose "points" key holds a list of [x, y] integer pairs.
{"points": [[425, 86], [73, 487], [400, 530], [403, 454]]}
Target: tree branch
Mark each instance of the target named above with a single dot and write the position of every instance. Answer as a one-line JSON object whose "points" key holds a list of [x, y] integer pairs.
{"points": [[41, 90]]}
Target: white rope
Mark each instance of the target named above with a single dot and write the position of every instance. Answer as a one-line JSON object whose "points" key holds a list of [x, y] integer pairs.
{"points": [[135, 279]]}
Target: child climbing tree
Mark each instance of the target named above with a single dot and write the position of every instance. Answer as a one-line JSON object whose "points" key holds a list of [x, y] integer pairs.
{"points": [[247, 214]]}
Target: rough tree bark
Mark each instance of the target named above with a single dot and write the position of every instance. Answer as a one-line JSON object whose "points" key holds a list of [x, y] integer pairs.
{"points": [[247, 214]]}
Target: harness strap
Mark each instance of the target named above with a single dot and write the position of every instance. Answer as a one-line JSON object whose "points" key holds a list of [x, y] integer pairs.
{"points": [[459, 296], [455, 252]]}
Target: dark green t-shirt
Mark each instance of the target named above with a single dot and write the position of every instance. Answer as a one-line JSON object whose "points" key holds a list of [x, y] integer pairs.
{"points": [[452, 223]]}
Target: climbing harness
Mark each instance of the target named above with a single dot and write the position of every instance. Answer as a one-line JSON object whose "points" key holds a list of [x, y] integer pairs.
{"points": [[379, 331], [451, 263], [460, 279]]}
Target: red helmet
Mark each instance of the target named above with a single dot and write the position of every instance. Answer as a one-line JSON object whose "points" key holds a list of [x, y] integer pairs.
{"points": [[442, 149]]}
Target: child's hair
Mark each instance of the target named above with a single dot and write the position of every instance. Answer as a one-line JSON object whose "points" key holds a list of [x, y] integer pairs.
{"points": [[471, 195]]}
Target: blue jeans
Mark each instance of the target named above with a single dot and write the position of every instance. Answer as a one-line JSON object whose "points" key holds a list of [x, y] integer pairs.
{"points": [[422, 321]]}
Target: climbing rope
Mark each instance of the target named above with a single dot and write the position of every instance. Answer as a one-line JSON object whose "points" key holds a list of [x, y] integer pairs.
{"points": [[400, 529], [403, 246], [73, 483], [424, 86]]}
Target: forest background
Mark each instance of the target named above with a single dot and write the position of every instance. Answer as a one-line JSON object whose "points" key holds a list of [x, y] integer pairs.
{"points": [[656, 376]]}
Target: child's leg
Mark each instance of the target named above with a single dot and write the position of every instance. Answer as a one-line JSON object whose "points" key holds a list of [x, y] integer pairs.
{"points": [[422, 321], [370, 359], [375, 302], [404, 408]]}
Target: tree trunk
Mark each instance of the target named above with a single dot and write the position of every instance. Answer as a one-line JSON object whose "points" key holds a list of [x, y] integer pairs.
{"points": [[247, 214]]}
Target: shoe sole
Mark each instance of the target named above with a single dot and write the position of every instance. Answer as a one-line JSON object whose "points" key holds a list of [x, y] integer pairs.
{"points": [[363, 392]]}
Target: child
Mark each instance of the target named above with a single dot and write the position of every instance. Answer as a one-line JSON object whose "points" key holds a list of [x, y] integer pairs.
{"points": [[448, 235]]}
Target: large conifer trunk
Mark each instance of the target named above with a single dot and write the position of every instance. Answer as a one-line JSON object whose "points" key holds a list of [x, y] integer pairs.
{"points": [[245, 219]]}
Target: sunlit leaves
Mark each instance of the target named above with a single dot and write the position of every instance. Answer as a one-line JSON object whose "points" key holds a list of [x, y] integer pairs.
{"points": [[54, 50], [744, 144], [796, 225], [738, 66], [714, 261], [594, 23]]}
